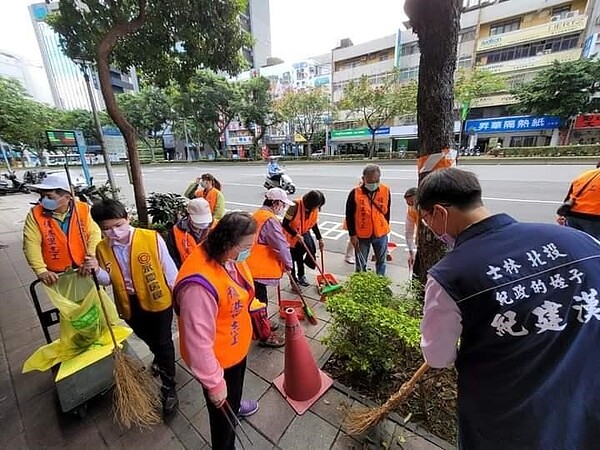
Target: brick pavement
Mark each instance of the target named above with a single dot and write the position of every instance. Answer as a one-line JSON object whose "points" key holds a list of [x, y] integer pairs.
{"points": [[31, 418]]}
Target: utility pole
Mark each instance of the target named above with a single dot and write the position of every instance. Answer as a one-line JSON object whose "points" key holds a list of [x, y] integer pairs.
{"points": [[105, 155]]}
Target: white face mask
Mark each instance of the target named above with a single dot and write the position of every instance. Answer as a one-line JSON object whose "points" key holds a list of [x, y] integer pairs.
{"points": [[200, 226]]}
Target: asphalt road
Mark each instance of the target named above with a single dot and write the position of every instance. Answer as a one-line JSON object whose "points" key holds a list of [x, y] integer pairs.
{"points": [[529, 192]]}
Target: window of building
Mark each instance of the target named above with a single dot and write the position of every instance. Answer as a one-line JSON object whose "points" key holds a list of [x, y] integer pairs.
{"points": [[546, 46], [523, 141], [561, 10], [505, 27], [410, 49], [410, 73], [384, 57], [464, 62], [466, 36]]}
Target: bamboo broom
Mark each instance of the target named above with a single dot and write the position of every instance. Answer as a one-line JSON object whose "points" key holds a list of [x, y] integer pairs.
{"points": [[135, 398], [360, 420]]}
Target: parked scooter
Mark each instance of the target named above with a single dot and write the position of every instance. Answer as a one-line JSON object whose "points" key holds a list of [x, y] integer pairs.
{"points": [[285, 182], [10, 184]]}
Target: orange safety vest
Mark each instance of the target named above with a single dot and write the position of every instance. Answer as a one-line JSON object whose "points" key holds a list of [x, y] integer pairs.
{"points": [[185, 242], [263, 260], [588, 201], [211, 197], [370, 212], [233, 333], [59, 250], [300, 222], [149, 283]]}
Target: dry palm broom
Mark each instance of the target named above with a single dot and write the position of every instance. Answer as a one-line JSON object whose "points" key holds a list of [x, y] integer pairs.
{"points": [[136, 400], [360, 420]]}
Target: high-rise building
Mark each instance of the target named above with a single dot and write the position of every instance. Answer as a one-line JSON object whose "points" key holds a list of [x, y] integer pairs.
{"points": [[30, 75], [513, 38], [257, 21], [67, 84]]}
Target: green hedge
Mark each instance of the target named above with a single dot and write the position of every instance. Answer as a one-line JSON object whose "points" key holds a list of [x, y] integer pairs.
{"points": [[550, 152]]}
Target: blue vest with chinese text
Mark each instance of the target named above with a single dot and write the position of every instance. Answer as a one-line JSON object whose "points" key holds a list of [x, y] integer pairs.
{"points": [[528, 363]]}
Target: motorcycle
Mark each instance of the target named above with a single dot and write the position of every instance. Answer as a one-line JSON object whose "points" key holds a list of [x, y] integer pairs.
{"points": [[285, 182], [10, 184]]}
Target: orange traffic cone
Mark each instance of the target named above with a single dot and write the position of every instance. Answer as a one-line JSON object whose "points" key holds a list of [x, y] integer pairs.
{"points": [[301, 383]]}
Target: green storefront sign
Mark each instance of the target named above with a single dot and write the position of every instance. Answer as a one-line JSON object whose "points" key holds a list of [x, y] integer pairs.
{"points": [[355, 132]]}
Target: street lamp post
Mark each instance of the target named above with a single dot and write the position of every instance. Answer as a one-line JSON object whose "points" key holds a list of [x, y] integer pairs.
{"points": [[109, 173]]}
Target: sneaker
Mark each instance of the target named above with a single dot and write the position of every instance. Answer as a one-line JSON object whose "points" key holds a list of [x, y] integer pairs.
{"points": [[302, 281], [170, 401], [247, 408], [350, 260]]}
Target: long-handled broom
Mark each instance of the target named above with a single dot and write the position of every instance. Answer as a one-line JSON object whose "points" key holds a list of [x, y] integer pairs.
{"points": [[329, 287], [310, 315], [360, 420], [136, 399]]}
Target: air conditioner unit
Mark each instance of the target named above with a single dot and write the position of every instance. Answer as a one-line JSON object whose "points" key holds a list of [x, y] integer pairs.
{"points": [[363, 58], [571, 14], [555, 18]]}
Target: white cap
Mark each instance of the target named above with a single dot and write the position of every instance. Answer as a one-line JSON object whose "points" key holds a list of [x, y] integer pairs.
{"points": [[51, 182], [278, 194], [199, 211]]}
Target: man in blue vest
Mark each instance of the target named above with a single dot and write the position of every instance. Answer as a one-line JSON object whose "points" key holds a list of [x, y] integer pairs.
{"points": [[523, 299]]}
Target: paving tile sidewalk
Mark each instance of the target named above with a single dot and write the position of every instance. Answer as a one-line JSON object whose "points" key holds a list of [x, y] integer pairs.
{"points": [[31, 418]]}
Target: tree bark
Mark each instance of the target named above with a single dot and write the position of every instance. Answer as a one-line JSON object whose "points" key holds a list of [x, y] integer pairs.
{"points": [[103, 63], [438, 40]]}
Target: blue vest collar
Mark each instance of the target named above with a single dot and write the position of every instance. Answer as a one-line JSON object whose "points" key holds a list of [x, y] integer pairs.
{"points": [[483, 226]]}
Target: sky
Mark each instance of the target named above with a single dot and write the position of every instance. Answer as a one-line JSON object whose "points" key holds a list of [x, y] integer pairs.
{"points": [[304, 28]]}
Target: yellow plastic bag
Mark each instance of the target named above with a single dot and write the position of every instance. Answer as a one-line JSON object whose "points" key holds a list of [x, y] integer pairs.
{"points": [[82, 321]]}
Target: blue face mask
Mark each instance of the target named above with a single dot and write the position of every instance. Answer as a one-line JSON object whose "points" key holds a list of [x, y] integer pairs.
{"points": [[49, 204], [243, 255], [372, 187]]}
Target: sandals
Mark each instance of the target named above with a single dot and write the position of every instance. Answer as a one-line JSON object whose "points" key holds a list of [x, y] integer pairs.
{"points": [[273, 341]]}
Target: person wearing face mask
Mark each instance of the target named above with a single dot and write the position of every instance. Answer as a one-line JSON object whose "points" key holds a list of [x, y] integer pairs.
{"points": [[142, 273], [410, 225], [368, 219], [270, 255], [189, 231], [213, 293], [210, 189], [299, 220], [521, 298], [52, 240]]}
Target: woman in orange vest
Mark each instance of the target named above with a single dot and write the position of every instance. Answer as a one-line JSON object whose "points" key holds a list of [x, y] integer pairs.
{"points": [[189, 231], [584, 194], [210, 189], [213, 293], [52, 240], [299, 220], [411, 225], [270, 254]]}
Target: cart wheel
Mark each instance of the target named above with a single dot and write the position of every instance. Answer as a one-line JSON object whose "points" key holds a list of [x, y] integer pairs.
{"points": [[81, 411]]}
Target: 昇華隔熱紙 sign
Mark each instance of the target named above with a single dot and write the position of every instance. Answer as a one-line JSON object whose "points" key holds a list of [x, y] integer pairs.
{"points": [[512, 124]]}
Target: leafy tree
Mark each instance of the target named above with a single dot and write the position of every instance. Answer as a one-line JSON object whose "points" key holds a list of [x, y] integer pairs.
{"points": [[438, 42], [563, 89], [164, 39], [471, 84], [257, 108], [23, 121], [81, 119], [212, 102], [305, 110], [375, 106]]}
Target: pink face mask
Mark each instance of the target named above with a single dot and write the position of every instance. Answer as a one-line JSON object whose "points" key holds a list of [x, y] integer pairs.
{"points": [[119, 233]]}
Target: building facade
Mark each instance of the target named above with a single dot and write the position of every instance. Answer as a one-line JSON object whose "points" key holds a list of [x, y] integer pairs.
{"points": [[513, 38], [67, 84], [30, 75], [257, 21]]}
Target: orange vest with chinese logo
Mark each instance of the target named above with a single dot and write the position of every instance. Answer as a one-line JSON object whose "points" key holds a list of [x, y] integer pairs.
{"points": [[185, 242], [370, 221], [149, 283], [63, 251], [301, 223], [588, 201], [233, 333], [263, 260]]}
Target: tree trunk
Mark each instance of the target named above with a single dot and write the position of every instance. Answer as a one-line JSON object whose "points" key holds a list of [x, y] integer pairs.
{"points": [[438, 40], [372, 151], [103, 64]]}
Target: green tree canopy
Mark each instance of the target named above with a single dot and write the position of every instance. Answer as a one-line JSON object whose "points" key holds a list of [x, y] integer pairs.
{"points": [[305, 110], [473, 84], [166, 40], [81, 119], [563, 89], [257, 108], [376, 105]]}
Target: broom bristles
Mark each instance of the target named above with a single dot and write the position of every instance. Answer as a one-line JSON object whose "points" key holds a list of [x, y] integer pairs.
{"points": [[136, 399], [360, 420]]}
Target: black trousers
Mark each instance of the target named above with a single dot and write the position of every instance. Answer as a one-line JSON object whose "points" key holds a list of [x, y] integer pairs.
{"points": [[154, 328], [260, 292], [222, 437], [298, 252]]}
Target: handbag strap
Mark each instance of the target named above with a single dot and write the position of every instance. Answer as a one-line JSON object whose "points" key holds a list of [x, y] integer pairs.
{"points": [[576, 196]]}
